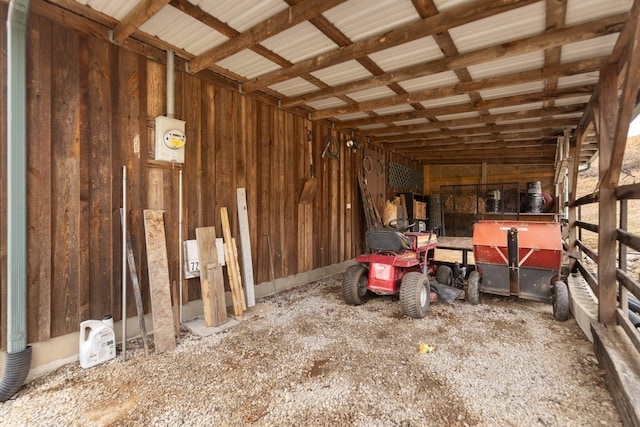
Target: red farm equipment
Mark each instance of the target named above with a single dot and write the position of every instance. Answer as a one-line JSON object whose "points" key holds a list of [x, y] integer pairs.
{"points": [[401, 263], [519, 258]]}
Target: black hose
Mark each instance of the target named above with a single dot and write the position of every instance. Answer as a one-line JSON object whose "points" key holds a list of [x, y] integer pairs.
{"points": [[15, 372]]}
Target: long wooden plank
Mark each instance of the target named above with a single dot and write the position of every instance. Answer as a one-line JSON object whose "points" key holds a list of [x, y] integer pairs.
{"points": [[214, 313], [39, 178], [234, 256], [245, 246], [66, 191], [159, 284]]}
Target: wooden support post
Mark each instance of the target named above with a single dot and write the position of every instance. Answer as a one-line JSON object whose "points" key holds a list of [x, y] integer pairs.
{"points": [[607, 284]]}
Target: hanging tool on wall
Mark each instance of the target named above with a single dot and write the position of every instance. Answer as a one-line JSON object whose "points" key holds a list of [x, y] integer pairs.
{"points": [[309, 190], [331, 149]]}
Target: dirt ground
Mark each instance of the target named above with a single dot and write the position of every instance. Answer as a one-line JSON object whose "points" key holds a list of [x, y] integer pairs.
{"points": [[312, 360]]}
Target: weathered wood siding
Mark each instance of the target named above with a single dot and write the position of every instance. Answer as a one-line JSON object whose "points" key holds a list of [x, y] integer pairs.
{"points": [[91, 111]]}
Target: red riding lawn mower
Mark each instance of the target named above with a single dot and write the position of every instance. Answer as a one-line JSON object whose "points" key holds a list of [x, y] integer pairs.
{"points": [[401, 263]]}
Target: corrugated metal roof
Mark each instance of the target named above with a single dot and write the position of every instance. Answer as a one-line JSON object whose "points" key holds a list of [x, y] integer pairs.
{"points": [[363, 19], [574, 100], [458, 116], [515, 108], [342, 73], [352, 116], [442, 102], [394, 109], [599, 46], [358, 19], [579, 11], [443, 5], [500, 67], [518, 23], [241, 14], [299, 43], [578, 79], [411, 122], [117, 9], [327, 103], [370, 94], [434, 81], [181, 30], [248, 64], [294, 87], [422, 50], [512, 90]]}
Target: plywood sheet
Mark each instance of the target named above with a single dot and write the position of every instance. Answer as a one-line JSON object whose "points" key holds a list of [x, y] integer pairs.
{"points": [[159, 284]]}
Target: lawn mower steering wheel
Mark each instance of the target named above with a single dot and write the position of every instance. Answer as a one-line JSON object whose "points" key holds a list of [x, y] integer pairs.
{"points": [[401, 224]]}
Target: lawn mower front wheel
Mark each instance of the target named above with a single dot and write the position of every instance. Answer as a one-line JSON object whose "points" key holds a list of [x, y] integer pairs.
{"points": [[354, 285], [414, 295]]}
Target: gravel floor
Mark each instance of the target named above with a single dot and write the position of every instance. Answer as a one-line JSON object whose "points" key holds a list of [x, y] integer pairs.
{"points": [[315, 361]]}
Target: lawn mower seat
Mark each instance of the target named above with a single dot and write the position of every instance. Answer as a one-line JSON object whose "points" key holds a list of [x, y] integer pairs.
{"points": [[383, 239]]}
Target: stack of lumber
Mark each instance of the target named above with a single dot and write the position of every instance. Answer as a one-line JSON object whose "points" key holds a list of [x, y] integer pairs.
{"points": [[233, 268]]}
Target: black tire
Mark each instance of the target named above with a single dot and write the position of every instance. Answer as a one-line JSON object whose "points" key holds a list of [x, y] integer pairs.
{"points": [[560, 301], [354, 285], [414, 295], [444, 275], [473, 288]]}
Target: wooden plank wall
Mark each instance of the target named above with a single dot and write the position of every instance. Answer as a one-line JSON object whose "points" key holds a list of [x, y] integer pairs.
{"points": [[91, 110], [439, 175]]}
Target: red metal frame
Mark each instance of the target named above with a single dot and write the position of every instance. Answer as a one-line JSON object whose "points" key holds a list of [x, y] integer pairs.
{"points": [[387, 269]]}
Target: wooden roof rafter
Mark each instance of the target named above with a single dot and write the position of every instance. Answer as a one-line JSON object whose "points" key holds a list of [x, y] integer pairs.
{"points": [[277, 23], [425, 27], [578, 67], [141, 13]]}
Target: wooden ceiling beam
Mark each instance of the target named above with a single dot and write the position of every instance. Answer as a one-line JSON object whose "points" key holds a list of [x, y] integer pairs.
{"points": [[509, 101], [573, 68], [473, 140], [494, 118], [441, 22], [550, 39], [446, 44], [278, 23], [556, 12], [480, 130], [530, 98], [514, 153], [483, 159], [140, 14]]}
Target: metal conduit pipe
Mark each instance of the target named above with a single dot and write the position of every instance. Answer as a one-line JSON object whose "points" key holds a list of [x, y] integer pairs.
{"points": [[18, 360]]}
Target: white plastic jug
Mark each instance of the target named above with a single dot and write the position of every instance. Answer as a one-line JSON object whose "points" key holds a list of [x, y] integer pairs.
{"points": [[97, 342]]}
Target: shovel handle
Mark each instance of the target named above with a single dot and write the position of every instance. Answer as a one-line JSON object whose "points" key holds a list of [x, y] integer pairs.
{"points": [[311, 170]]}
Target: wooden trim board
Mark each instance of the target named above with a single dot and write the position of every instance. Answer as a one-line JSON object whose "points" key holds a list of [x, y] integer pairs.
{"points": [[159, 284]]}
